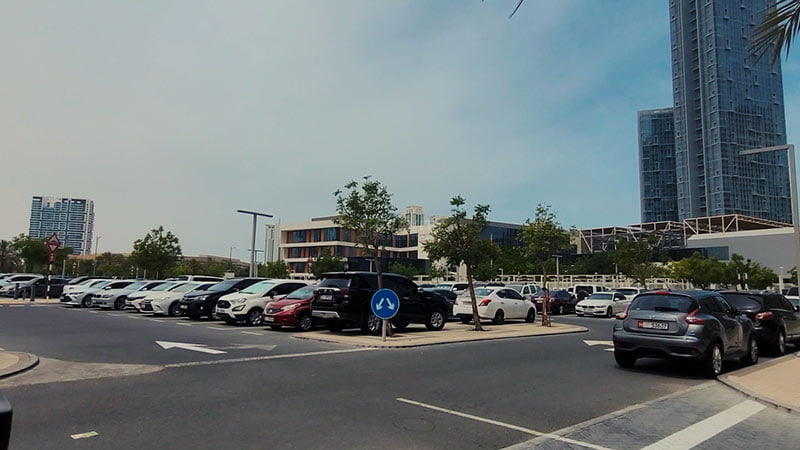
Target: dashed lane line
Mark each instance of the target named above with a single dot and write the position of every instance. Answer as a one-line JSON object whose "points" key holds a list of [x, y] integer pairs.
{"points": [[155, 320], [263, 358], [17, 306], [708, 428], [84, 435], [95, 312], [503, 424], [222, 329], [254, 333], [183, 324]]}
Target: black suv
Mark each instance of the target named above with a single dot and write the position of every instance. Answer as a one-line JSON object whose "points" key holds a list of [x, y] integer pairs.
{"points": [[343, 300], [196, 304], [776, 320]]}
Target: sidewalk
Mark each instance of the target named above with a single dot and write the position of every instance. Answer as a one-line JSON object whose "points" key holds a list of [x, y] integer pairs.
{"points": [[774, 382], [25, 301], [417, 335], [12, 363]]}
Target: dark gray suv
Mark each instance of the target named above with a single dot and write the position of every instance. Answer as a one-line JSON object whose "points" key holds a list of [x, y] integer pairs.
{"points": [[698, 326]]}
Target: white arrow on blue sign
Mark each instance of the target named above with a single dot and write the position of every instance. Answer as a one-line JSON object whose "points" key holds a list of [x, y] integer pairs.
{"points": [[385, 304]]}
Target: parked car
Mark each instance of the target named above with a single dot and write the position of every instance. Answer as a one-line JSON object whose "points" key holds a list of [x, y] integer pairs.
{"points": [[449, 296], [602, 304], [529, 291], [343, 300], [699, 326], [630, 291], [458, 288], [134, 300], [83, 284], [561, 302], [204, 278], [169, 302], [116, 298], [84, 297], [249, 304], [294, 310], [198, 304], [581, 291], [776, 321], [22, 284], [497, 304]]}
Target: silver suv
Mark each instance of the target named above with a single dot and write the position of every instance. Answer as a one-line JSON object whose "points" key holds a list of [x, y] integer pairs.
{"points": [[699, 326]]}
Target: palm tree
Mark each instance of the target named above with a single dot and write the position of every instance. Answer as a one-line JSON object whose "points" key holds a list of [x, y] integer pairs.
{"points": [[777, 30], [8, 256]]}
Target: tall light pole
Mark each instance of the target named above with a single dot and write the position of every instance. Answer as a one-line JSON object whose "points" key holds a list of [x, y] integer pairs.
{"points": [[253, 239], [793, 196], [96, 244], [230, 257], [558, 258]]}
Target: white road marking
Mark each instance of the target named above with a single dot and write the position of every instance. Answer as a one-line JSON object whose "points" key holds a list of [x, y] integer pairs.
{"points": [[84, 435], [155, 320], [254, 333], [262, 358], [708, 428], [222, 329], [183, 324], [16, 306], [503, 424], [609, 349], [592, 343], [95, 312], [166, 345], [133, 317]]}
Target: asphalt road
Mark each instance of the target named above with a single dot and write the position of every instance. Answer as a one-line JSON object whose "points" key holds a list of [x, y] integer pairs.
{"points": [[270, 390]]}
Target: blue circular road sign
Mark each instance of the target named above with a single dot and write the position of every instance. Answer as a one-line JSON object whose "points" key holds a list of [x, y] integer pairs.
{"points": [[385, 304]]}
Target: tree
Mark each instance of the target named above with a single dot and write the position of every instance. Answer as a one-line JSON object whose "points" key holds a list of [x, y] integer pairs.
{"points": [[326, 263], [699, 270], [275, 269], [514, 260], [8, 256], [777, 30], [485, 271], [32, 251], [635, 259], [368, 211], [405, 270], [599, 262], [437, 272], [457, 241], [112, 265], [157, 251], [544, 237]]}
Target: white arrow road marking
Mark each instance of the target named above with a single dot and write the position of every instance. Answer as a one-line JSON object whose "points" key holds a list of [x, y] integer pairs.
{"points": [[242, 346], [84, 435], [194, 347]]}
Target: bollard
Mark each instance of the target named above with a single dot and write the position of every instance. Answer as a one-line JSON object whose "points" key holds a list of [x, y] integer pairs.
{"points": [[16, 291], [33, 292]]}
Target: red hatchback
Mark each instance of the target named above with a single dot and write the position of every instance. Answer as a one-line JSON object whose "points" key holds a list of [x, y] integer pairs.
{"points": [[294, 310]]}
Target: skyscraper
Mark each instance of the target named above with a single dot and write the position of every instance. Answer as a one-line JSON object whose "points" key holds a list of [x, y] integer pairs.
{"points": [[725, 101], [71, 218], [657, 179]]}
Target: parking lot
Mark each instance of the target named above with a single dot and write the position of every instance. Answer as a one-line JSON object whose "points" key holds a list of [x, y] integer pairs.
{"points": [[112, 377]]}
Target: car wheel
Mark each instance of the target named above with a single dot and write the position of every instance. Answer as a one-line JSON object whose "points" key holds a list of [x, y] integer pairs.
{"points": [[435, 320], [712, 364], [254, 316], [87, 301], [609, 312], [275, 327], [335, 326], [119, 303], [560, 310], [174, 309], [372, 324], [499, 317], [780, 343], [305, 323], [752, 352], [625, 359], [531, 316], [400, 324]]}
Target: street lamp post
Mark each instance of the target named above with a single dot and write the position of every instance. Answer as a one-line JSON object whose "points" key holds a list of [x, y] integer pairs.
{"points": [[558, 258], [96, 244], [793, 196], [230, 257], [253, 238]]}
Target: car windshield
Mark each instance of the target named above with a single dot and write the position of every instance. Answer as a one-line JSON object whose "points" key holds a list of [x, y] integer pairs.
{"points": [[79, 281], [334, 282], [303, 292], [136, 285], [100, 284], [516, 287], [483, 291], [628, 291], [185, 287], [164, 287], [744, 301], [600, 296], [664, 303], [223, 285], [794, 301], [259, 288], [203, 286]]}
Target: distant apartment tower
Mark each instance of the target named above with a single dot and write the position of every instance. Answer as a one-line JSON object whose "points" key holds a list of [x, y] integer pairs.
{"points": [[725, 101], [71, 218], [657, 181], [415, 216]]}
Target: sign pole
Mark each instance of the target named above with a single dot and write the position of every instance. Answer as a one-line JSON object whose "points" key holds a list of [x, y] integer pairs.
{"points": [[383, 329]]}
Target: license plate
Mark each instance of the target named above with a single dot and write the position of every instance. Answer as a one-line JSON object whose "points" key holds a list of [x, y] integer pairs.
{"points": [[326, 297], [269, 319], [184, 306], [654, 325]]}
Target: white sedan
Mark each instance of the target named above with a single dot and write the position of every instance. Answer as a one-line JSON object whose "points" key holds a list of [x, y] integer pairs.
{"points": [[602, 304], [168, 302], [495, 303]]}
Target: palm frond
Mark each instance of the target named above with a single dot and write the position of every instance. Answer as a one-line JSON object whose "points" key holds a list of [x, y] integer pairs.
{"points": [[777, 30]]}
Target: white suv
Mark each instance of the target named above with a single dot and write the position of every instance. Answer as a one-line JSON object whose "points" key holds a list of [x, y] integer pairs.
{"points": [[248, 304]]}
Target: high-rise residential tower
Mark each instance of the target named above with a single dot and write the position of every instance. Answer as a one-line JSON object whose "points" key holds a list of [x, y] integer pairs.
{"points": [[71, 218], [657, 179], [726, 100]]}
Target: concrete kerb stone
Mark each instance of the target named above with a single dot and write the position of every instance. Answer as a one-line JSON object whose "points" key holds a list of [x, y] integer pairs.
{"points": [[730, 380], [25, 362], [447, 336]]}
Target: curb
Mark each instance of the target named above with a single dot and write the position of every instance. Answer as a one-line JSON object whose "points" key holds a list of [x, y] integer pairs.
{"points": [[26, 362], [428, 344], [725, 379]]}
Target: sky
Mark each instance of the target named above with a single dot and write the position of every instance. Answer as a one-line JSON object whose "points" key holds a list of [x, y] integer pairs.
{"points": [[178, 113]]}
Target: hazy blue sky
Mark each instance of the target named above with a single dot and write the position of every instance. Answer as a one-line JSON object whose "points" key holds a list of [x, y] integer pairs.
{"points": [[180, 112]]}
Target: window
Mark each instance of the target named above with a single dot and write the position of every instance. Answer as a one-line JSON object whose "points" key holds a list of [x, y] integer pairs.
{"points": [[317, 235], [298, 236], [331, 234], [512, 294]]}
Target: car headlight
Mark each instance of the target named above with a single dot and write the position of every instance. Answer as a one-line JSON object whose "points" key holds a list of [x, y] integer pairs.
{"points": [[239, 308], [76, 292], [290, 307], [200, 298], [238, 301]]}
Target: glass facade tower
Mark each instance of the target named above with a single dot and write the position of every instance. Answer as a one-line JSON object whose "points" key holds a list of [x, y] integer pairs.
{"points": [[657, 181], [71, 218], [725, 101]]}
